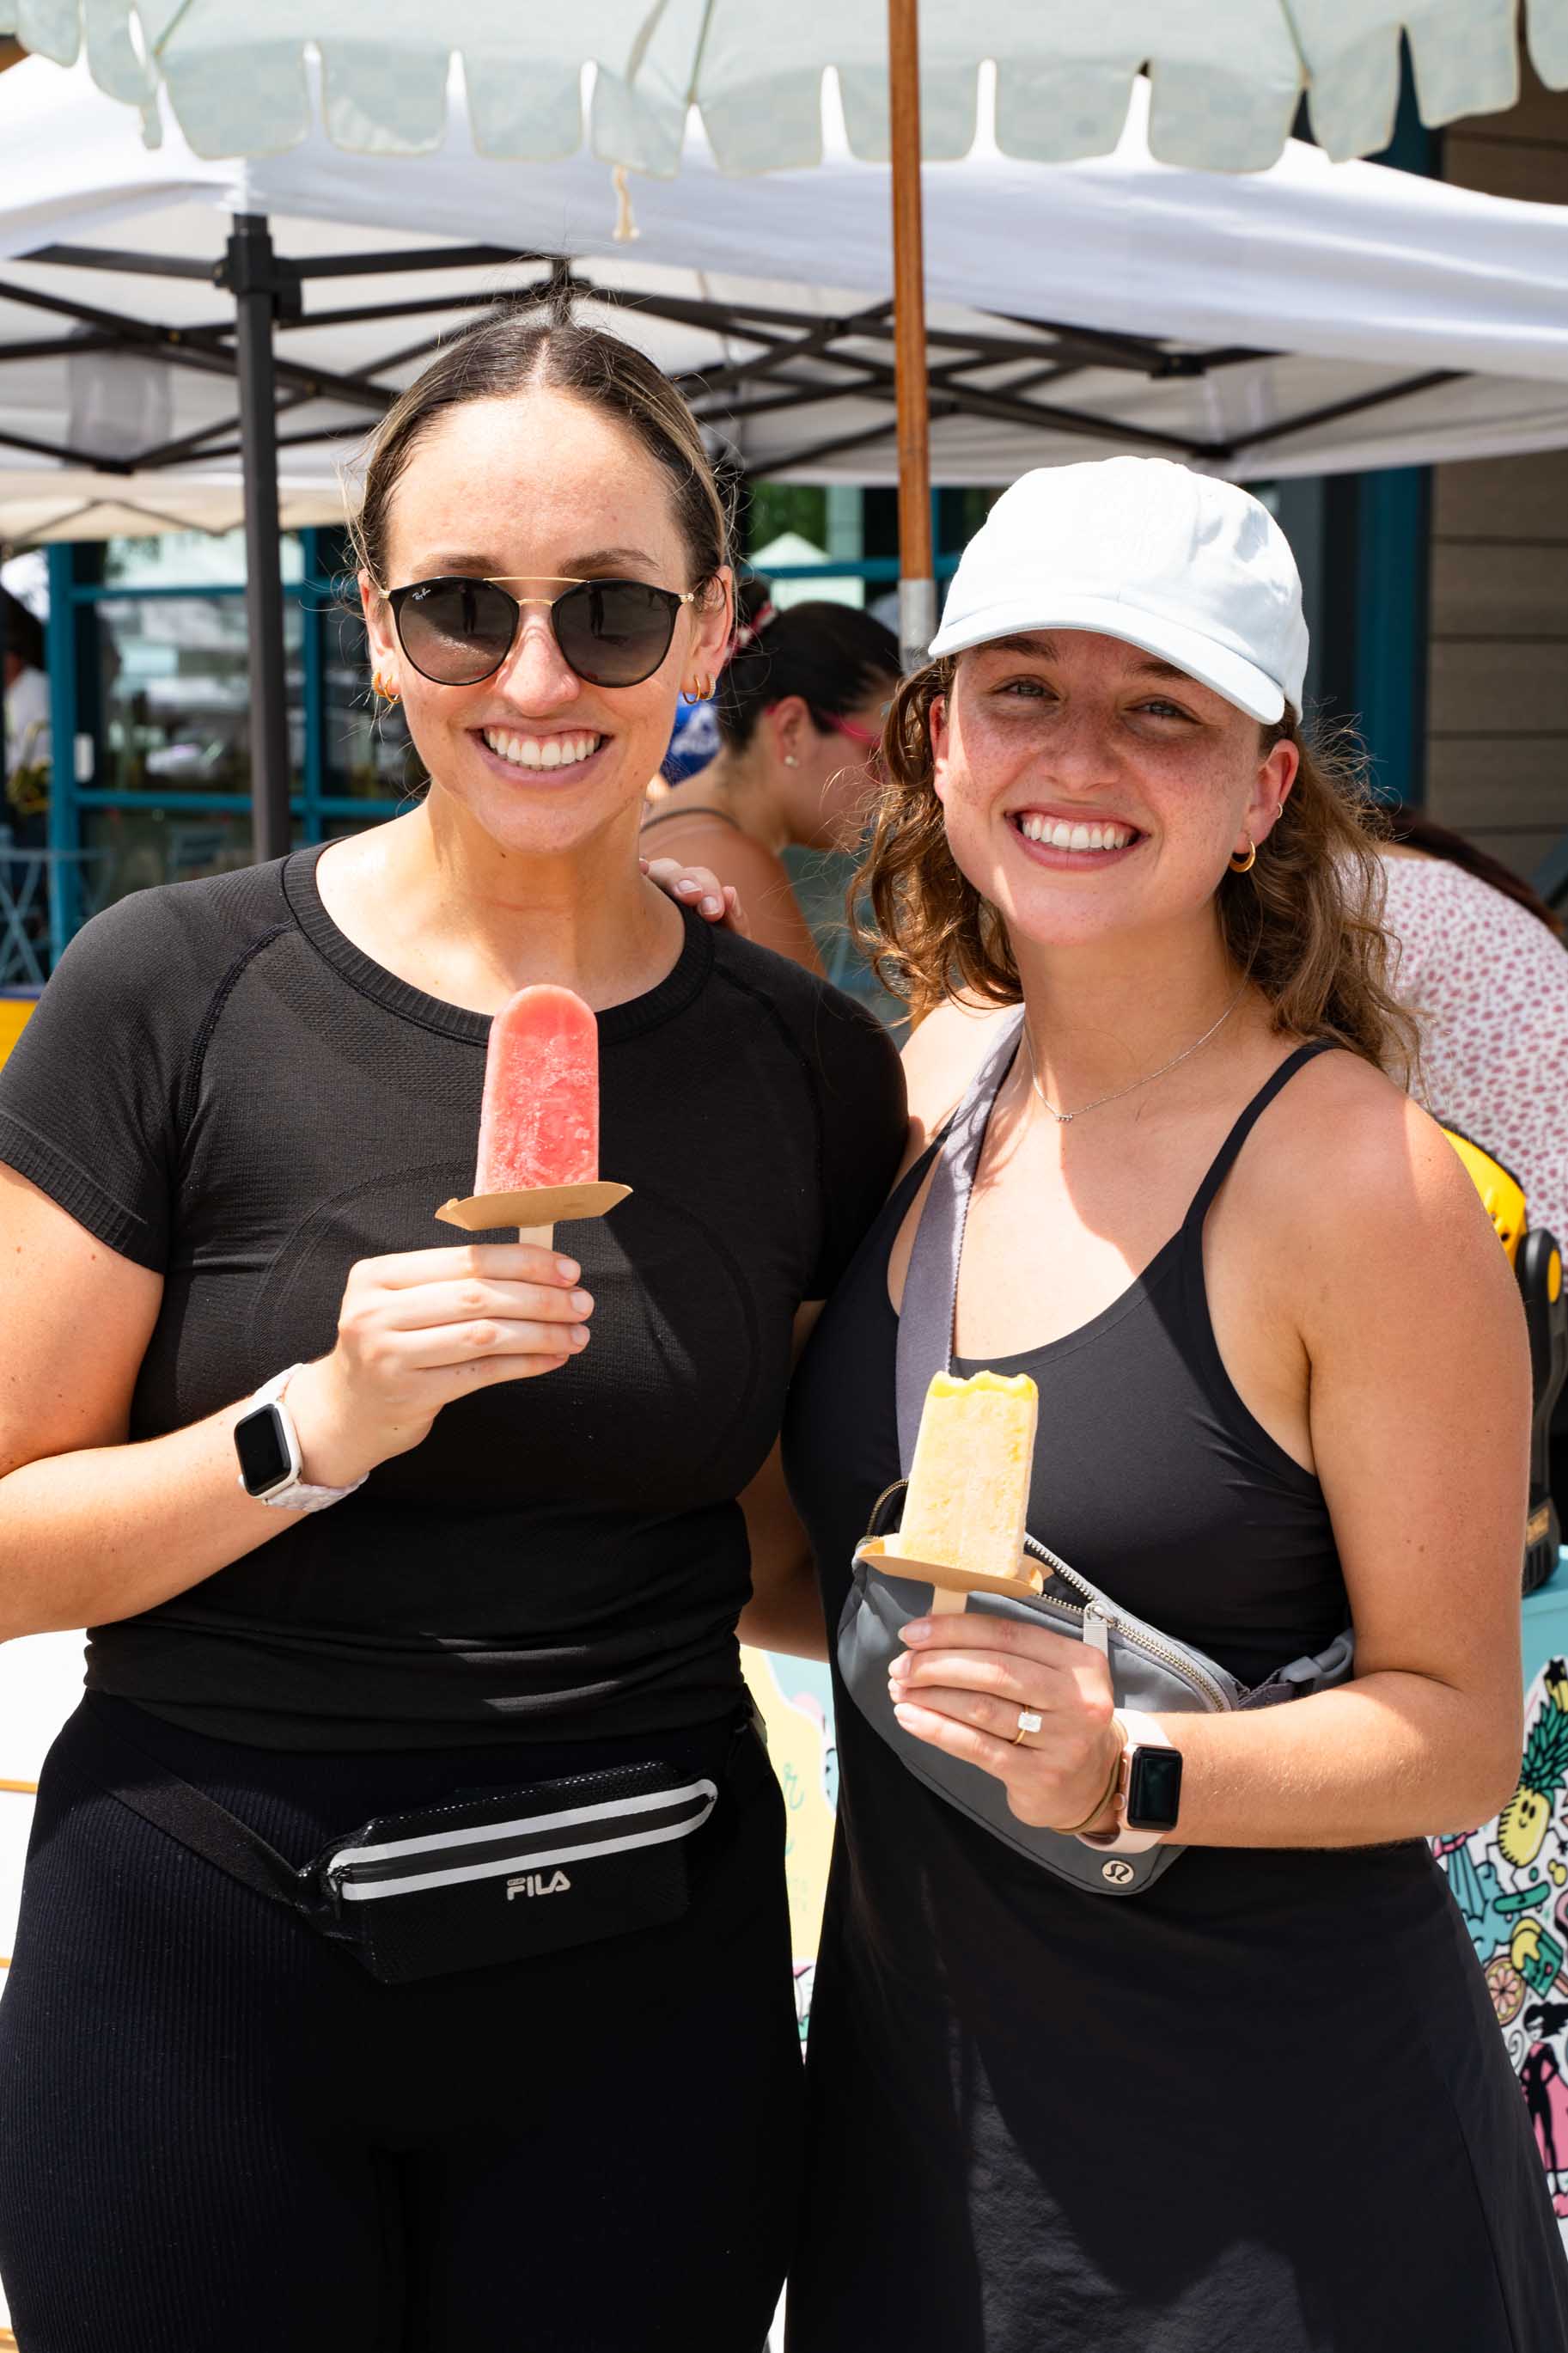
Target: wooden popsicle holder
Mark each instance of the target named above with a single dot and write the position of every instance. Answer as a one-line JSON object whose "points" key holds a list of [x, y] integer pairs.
{"points": [[536, 1214], [950, 1587]]}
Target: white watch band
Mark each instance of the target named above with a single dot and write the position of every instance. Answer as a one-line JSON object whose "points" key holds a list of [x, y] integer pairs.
{"points": [[1137, 1731], [293, 1494]]}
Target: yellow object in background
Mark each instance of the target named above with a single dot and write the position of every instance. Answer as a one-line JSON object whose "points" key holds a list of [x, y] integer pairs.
{"points": [[14, 1012], [1502, 1194], [969, 1482]]}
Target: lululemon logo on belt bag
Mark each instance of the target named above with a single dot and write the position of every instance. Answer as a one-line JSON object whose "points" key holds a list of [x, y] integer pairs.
{"points": [[1117, 1871], [533, 1882]]}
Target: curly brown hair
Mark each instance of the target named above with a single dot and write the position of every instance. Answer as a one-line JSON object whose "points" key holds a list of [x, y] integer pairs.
{"points": [[1304, 924]]}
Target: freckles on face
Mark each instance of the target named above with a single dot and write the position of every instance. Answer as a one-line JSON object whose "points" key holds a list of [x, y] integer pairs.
{"points": [[535, 490], [1086, 786]]}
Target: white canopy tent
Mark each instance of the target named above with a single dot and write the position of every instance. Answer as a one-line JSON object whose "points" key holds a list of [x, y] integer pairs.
{"points": [[1309, 318]]}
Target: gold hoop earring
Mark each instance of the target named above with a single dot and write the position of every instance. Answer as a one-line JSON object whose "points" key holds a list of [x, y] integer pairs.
{"points": [[379, 685], [700, 690], [1244, 865]]}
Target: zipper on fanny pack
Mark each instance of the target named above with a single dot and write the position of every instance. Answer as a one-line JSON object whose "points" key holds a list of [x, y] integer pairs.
{"points": [[1094, 1605], [1095, 1602]]}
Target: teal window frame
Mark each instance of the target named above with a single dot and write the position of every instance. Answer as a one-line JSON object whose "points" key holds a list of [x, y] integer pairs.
{"points": [[318, 594]]}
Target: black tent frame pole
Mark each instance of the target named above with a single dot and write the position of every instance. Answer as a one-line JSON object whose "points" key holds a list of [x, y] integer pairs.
{"points": [[251, 274]]}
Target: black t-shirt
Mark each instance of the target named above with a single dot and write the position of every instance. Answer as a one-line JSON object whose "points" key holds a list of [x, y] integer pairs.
{"points": [[220, 1086]]}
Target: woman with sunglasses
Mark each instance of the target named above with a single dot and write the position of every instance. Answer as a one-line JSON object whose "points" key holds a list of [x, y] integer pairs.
{"points": [[801, 703], [525, 1496]]}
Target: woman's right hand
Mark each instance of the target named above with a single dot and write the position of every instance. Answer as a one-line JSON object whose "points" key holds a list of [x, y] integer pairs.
{"points": [[417, 1330]]}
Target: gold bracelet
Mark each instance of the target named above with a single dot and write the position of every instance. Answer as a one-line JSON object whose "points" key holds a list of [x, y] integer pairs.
{"points": [[1073, 1829]]}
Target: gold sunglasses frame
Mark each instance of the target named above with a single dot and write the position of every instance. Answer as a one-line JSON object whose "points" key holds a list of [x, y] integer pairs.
{"points": [[563, 580]]}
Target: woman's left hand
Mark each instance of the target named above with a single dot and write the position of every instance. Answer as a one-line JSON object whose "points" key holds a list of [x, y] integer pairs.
{"points": [[961, 1684], [699, 887]]}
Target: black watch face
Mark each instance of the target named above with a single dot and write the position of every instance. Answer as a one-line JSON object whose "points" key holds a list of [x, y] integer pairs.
{"points": [[263, 1455], [1154, 1790]]}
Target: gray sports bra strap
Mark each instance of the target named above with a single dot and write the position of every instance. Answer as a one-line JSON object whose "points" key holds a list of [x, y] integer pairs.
{"points": [[930, 1286]]}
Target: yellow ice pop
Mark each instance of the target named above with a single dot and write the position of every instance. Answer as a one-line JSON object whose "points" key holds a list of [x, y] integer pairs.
{"points": [[969, 1485]]}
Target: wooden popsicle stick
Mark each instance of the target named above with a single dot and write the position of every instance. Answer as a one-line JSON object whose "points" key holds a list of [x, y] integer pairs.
{"points": [[949, 1585], [543, 1235], [533, 1213]]}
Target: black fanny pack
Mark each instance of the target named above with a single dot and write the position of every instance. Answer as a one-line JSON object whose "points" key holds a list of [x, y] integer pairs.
{"points": [[509, 1876]]}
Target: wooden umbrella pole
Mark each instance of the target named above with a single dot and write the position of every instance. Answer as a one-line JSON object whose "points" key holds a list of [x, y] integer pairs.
{"points": [[917, 582]]}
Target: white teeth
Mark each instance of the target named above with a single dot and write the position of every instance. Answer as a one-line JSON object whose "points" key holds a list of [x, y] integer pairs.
{"points": [[542, 751], [1059, 834]]}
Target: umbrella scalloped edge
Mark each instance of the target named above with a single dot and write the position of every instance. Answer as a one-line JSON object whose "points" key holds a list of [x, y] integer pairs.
{"points": [[1228, 106]]}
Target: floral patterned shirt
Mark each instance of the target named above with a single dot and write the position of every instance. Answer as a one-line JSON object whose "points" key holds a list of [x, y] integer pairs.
{"points": [[1488, 985]]}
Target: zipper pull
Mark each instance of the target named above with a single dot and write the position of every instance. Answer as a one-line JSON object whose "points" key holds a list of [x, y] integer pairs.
{"points": [[1097, 1630]]}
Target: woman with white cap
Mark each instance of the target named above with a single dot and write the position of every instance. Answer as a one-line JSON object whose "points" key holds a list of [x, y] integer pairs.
{"points": [[1282, 1389]]}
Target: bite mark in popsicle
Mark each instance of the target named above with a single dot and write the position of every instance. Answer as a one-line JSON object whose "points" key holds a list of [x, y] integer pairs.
{"points": [[538, 1125], [968, 1495]]}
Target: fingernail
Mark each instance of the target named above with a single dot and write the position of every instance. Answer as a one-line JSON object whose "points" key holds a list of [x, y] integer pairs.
{"points": [[581, 1302], [686, 888], [711, 907], [579, 1336], [906, 1715], [916, 1630], [567, 1269], [899, 1668]]}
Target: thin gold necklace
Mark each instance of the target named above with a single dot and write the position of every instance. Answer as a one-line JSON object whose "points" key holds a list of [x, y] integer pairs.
{"points": [[1062, 1118]]}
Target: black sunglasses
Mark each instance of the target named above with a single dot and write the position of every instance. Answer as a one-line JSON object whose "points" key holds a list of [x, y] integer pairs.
{"points": [[457, 630]]}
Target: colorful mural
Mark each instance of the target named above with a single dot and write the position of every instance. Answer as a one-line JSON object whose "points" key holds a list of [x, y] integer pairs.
{"points": [[795, 1697], [1510, 1879]]}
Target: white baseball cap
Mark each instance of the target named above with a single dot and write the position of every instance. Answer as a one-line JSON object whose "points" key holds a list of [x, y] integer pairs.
{"points": [[1194, 570]]}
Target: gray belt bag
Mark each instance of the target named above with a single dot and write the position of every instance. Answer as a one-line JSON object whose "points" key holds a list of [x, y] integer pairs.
{"points": [[1150, 1671]]}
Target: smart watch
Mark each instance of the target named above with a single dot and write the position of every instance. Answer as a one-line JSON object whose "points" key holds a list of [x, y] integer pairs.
{"points": [[267, 1446], [1148, 1789]]}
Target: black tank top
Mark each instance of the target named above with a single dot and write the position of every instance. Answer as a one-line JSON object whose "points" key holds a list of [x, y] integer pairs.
{"points": [[1150, 1474], [1263, 2105]]}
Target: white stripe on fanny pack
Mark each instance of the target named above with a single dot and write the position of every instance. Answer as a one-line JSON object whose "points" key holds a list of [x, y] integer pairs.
{"points": [[706, 1790]]}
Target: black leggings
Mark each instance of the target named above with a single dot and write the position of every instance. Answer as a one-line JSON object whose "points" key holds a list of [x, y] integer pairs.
{"points": [[217, 2134]]}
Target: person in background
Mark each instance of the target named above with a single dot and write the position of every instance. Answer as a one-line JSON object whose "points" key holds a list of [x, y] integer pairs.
{"points": [[1483, 968], [26, 697], [800, 705]]}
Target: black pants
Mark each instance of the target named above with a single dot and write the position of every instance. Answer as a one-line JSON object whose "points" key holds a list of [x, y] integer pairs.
{"points": [[217, 2134]]}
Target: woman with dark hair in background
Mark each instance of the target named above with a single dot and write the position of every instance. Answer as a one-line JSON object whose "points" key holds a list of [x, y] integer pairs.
{"points": [[26, 748], [801, 703]]}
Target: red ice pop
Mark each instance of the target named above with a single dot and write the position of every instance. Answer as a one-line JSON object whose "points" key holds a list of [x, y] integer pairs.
{"points": [[538, 1125]]}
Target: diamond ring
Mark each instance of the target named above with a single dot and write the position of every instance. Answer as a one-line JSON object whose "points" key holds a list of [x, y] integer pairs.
{"points": [[1027, 1722]]}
